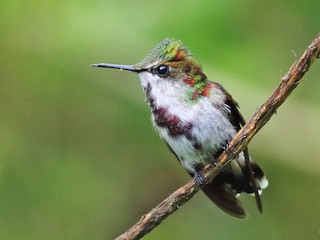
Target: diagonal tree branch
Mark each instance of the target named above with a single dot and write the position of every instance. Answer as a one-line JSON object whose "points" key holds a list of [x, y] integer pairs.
{"points": [[289, 82]]}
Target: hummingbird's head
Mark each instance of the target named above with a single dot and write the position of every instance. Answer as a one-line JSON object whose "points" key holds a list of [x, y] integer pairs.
{"points": [[169, 60]]}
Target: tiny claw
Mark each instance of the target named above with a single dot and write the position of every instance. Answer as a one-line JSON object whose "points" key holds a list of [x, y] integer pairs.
{"points": [[198, 178]]}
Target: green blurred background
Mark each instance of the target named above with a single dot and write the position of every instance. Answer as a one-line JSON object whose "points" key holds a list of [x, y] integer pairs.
{"points": [[79, 157]]}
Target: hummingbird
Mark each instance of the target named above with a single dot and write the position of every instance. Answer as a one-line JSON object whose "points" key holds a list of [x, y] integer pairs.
{"points": [[197, 118]]}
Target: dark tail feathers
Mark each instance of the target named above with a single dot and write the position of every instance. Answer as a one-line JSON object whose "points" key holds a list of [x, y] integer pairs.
{"points": [[233, 180]]}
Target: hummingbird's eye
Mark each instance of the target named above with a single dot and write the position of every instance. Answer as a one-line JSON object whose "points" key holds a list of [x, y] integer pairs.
{"points": [[162, 71]]}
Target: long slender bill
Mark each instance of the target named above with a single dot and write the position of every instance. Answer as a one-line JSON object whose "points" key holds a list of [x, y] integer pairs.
{"points": [[116, 66]]}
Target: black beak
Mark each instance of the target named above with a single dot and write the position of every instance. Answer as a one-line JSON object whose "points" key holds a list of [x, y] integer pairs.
{"points": [[117, 66]]}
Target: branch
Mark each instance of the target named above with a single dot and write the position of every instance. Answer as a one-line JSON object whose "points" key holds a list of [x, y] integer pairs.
{"points": [[289, 82]]}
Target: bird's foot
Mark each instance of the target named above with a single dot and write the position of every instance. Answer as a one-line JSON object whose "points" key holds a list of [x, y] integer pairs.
{"points": [[198, 178]]}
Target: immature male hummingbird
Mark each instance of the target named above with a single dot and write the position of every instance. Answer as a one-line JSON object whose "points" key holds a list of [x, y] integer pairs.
{"points": [[197, 118]]}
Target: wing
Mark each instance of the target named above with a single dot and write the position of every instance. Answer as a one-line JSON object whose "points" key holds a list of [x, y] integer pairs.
{"points": [[241, 175], [234, 115]]}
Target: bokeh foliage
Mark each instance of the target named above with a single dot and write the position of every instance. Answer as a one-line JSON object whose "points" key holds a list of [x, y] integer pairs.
{"points": [[79, 158]]}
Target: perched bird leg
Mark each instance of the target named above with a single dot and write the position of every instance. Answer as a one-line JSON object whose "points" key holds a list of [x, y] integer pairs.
{"points": [[198, 178]]}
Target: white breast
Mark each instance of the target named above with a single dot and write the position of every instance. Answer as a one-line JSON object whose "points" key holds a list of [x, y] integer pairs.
{"points": [[211, 127]]}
